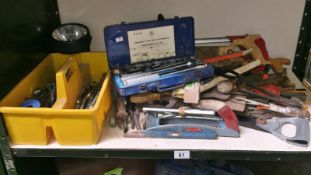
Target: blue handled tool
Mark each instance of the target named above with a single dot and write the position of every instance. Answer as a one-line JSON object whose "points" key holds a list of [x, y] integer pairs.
{"points": [[33, 103]]}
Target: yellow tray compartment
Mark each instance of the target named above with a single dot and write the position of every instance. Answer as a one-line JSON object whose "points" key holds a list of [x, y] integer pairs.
{"points": [[70, 126]]}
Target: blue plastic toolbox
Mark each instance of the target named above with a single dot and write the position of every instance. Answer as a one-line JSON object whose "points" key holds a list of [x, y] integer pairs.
{"points": [[153, 55]]}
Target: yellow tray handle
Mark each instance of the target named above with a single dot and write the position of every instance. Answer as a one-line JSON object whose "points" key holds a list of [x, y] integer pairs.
{"points": [[69, 82]]}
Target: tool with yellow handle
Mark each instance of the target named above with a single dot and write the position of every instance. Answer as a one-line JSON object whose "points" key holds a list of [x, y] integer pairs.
{"points": [[145, 98], [277, 64], [148, 97]]}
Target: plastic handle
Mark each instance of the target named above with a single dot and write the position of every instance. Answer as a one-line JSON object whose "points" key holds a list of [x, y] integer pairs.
{"points": [[69, 82], [34, 103]]}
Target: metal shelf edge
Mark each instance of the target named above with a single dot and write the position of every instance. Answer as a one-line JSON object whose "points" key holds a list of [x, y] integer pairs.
{"points": [[164, 154]]}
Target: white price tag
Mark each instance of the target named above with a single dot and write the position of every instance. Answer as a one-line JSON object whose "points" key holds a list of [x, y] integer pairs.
{"points": [[181, 154]]}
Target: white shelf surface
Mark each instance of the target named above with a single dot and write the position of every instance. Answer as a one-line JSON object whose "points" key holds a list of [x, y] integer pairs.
{"points": [[250, 140]]}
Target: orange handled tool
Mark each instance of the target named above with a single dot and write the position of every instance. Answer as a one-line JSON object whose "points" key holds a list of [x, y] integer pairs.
{"points": [[148, 97], [277, 64], [228, 56]]}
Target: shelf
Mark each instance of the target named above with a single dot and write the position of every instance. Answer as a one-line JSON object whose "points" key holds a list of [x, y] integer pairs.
{"points": [[252, 145]]}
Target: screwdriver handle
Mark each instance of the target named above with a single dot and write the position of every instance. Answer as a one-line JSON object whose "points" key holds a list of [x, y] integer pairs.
{"points": [[277, 64]]}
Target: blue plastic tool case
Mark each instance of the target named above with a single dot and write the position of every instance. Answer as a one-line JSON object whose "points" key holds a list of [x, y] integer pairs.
{"points": [[129, 43]]}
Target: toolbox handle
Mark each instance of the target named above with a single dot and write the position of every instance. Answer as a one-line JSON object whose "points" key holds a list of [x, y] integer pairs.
{"points": [[160, 89]]}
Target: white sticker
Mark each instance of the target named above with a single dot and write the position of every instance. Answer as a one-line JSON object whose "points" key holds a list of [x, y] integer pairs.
{"points": [[119, 39], [152, 43], [181, 154]]}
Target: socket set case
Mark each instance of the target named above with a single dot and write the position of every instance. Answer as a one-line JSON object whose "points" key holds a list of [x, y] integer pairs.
{"points": [[135, 47]]}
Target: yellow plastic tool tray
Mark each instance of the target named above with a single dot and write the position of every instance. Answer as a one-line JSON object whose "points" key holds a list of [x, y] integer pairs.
{"points": [[69, 126]]}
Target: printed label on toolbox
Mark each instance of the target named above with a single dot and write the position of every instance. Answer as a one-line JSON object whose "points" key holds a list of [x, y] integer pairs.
{"points": [[153, 43]]}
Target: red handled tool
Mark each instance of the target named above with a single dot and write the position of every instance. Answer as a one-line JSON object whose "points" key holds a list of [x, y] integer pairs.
{"points": [[228, 56]]}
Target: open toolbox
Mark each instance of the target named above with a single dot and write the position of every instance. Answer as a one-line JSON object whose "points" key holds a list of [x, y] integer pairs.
{"points": [[153, 55], [70, 126]]}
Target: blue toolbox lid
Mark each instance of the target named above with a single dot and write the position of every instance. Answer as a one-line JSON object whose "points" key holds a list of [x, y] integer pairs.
{"points": [[136, 42]]}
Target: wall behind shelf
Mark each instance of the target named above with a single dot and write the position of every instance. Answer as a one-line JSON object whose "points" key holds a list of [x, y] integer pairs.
{"points": [[278, 21]]}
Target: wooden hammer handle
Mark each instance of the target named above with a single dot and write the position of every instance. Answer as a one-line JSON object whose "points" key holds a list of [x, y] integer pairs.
{"points": [[144, 98], [239, 70], [277, 64], [121, 113]]}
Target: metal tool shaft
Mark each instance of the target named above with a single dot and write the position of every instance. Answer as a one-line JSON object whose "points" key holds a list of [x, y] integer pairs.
{"points": [[286, 110], [178, 111], [212, 40], [184, 70], [137, 75], [153, 77]]}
